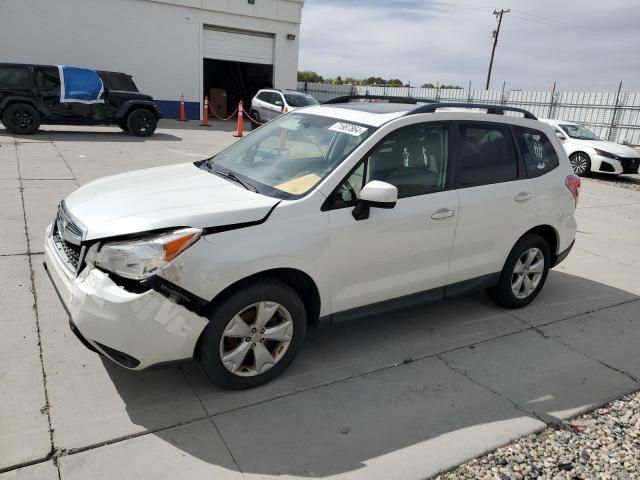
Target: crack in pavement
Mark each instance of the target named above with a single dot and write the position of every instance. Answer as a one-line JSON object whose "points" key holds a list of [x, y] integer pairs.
{"points": [[589, 252], [224, 442], [546, 336], [608, 206], [47, 406], [53, 143], [548, 420]]}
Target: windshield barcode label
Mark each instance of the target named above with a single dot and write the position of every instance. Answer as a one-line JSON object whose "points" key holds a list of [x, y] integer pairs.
{"points": [[348, 128]]}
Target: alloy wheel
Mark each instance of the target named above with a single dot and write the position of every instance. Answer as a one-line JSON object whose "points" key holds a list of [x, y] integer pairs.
{"points": [[256, 339], [22, 119], [527, 273], [580, 163], [143, 123]]}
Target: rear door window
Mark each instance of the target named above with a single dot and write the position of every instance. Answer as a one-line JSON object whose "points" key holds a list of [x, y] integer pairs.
{"points": [[11, 77], [539, 155], [486, 155]]}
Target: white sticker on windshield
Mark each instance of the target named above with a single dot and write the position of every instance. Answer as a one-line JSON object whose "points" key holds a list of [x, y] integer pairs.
{"points": [[348, 128]]}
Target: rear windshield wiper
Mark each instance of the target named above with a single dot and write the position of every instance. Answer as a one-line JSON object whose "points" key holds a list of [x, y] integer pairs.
{"points": [[232, 176]]}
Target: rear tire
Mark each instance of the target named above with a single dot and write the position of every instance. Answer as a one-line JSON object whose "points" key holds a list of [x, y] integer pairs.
{"points": [[253, 334], [581, 164], [21, 119], [524, 273], [141, 122]]}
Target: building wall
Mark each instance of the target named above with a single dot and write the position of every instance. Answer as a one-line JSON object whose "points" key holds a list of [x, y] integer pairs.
{"points": [[159, 42]]}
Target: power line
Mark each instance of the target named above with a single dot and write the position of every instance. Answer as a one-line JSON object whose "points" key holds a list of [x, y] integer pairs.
{"points": [[496, 33]]}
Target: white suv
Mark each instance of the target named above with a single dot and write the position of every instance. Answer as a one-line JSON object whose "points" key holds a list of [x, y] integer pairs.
{"points": [[270, 103], [327, 213]]}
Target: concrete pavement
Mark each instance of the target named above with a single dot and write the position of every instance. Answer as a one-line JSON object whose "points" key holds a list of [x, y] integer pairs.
{"points": [[401, 395]]}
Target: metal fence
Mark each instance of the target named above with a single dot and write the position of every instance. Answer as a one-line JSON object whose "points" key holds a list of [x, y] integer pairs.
{"points": [[613, 116]]}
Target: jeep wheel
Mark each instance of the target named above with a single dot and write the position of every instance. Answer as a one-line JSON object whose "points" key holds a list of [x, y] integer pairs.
{"points": [[21, 118], [141, 123], [253, 335]]}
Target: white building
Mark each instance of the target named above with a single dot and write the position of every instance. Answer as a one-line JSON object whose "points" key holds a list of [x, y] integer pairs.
{"points": [[171, 47]]}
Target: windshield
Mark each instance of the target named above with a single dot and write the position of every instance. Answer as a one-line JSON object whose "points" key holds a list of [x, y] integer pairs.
{"points": [[579, 133], [289, 156], [300, 100]]}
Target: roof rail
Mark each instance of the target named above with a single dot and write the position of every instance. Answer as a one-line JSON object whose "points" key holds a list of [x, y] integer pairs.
{"points": [[492, 109], [388, 98]]}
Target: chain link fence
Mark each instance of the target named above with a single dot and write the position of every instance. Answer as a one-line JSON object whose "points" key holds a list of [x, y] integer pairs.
{"points": [[613, 116]]}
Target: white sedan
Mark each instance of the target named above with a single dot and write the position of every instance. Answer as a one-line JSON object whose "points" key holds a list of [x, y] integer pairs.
{"points": [[589, 153]]}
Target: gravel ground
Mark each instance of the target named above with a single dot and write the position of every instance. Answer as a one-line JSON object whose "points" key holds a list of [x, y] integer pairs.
{"points": [[603, 444], [632, 182]]}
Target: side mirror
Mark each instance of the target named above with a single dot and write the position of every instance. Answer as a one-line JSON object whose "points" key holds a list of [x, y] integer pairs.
{"points": [[375, 194], [279, 103], [560, 136]]}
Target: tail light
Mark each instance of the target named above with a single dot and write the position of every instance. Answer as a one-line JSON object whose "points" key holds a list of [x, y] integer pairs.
{"points": [[573, 184]]}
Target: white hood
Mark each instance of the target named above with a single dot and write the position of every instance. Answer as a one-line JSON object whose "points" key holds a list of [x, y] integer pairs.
{"points": [[175, 196], [610, 147]]}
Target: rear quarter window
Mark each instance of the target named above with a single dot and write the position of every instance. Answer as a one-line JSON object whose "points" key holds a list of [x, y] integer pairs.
{"points": [[537, 150], [122, 83], [14, 78]]}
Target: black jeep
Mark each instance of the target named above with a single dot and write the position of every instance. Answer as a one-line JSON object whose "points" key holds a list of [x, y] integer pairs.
{"points": [[30, 95]]}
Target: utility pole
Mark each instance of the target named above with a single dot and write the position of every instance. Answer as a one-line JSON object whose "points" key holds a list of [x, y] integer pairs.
{"points": [[496, 32]]}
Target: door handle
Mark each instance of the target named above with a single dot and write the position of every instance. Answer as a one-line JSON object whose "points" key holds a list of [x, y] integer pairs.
{"points": [[442, 214], [523, 197]]}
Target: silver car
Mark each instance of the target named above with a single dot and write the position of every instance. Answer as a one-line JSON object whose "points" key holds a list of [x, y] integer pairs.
{"points": [[270, 103]]}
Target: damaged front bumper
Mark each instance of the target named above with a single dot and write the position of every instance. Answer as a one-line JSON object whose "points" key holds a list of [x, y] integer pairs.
{"points": [[135, 330]]}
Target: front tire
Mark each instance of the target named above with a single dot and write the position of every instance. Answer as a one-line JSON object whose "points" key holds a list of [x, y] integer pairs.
{"points": [[141, 122], [581, 164], [524, 273], [21, 119], [256, 116], [253, 335]]}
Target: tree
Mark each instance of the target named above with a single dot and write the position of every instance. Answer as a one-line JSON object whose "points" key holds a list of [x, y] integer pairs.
{"points": [[309, 76], [443, 86]]}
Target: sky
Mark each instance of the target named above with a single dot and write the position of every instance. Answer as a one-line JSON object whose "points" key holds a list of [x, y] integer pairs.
{"points": [[581, 45]]}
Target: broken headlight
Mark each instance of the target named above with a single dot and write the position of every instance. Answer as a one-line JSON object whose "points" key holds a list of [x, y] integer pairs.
{"points": [[141, 258]]}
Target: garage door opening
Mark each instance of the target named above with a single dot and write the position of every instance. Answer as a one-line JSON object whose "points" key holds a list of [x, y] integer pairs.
{"points": [[228, 82]]}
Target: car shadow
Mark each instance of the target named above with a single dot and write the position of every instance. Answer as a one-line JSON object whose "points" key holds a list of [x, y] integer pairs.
{"points": [[90, 136], [423, 387]]}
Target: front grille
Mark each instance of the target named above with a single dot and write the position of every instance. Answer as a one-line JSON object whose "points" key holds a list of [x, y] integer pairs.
{"points": [[69, 252], [67, 238], [630, 165]]}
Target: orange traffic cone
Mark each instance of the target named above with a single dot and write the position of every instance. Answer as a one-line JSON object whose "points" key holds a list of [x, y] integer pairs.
{"points": [[240, 127], [205, 113], [182, 116]]}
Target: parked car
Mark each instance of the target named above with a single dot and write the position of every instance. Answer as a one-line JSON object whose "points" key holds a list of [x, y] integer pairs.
{"points": [[325, 214], [270, 103], [589, 153], [32, 95]]}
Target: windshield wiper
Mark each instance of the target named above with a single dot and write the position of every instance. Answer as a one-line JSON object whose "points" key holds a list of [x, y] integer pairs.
{"points": [[232, 176]]}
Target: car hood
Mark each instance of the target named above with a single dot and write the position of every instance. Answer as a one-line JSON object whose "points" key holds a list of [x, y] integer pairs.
{"points": [[610, 147], [174, 196]]}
